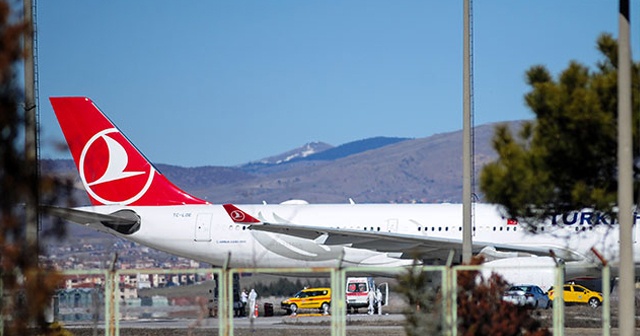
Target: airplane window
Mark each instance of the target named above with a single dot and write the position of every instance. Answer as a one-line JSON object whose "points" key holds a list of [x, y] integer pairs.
{"points": [[433, 228], [440, 229], [230, 227], [419, 228], [460, 229], [501, 228], [446, 229], [378, 228], [494, 228]]}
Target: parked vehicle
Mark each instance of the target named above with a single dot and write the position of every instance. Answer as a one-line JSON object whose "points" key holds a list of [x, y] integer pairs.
{"points": [[357, 290], [577, 294], [527, 295], [308, 298], [357, 293]]}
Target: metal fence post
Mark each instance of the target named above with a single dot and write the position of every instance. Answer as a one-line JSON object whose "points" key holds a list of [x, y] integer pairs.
{"points": [[338, 302], [606, 305], [558, 301], [111, 310], [225, 300], [446, 299], [453, 298]]}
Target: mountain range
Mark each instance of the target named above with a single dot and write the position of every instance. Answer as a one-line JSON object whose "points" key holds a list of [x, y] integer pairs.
{"points": [[374, 170]]}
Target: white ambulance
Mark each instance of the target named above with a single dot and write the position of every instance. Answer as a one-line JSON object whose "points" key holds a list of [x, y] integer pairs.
{"points": [[357, 293]]}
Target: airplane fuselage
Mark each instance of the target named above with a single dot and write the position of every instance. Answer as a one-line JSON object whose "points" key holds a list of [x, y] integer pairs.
{"points": [[133, 200], [207, 233]]}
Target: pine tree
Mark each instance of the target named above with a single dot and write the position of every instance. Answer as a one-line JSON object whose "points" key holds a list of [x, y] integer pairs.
{"points": [[564, 160]]}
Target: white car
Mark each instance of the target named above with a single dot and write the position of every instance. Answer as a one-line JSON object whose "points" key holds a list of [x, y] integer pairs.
{"points": [[527, 295]]}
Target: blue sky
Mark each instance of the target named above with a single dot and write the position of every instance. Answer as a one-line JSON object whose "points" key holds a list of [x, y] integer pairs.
{"points": [[228, 82]]}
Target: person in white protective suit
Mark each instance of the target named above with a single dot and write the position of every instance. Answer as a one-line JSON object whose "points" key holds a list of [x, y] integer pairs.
{"points": [[371, 298], [252, 302], [379, 300]]}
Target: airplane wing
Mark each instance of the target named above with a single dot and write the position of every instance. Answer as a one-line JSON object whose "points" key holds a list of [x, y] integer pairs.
{"points": [[409, 246]]}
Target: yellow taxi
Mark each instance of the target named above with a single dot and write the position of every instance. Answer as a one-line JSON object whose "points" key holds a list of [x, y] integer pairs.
{"points": [[308, 298], [579, 294]]}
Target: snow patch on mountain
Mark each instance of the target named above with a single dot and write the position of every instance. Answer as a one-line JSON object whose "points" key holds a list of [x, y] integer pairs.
{"points": [[300, 152]]}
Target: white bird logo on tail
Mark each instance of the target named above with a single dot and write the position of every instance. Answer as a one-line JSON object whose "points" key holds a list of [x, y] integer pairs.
{"points": [[116, 165]]}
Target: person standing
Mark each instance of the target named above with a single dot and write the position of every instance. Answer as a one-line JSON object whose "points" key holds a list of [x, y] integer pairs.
{"points": [[243, 299], [371, 298], [252, 302], [379, 300]]}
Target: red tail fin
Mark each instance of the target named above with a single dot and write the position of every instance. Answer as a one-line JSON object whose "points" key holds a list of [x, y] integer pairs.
{"points": [[112, 170]]}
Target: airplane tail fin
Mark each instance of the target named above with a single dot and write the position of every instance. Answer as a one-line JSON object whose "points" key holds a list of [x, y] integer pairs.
{"points": [[111, 168]]}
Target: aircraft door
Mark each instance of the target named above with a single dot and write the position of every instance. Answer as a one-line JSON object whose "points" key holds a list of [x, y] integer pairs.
{"points": [[203, 228], [392, 225]]}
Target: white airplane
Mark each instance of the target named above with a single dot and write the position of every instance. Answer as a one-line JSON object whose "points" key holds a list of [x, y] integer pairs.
{"points": [[133, 200]]}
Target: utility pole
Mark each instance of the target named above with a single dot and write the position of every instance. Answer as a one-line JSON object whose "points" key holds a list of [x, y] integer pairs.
{"points": [[31, 136], [467, 150], [626, 286]]}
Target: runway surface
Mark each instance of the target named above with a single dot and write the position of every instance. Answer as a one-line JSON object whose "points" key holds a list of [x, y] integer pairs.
{"points": [[307, 325]]}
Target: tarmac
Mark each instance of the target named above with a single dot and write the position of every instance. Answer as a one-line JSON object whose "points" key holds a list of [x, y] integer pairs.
{"points": [[302, 324]]}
